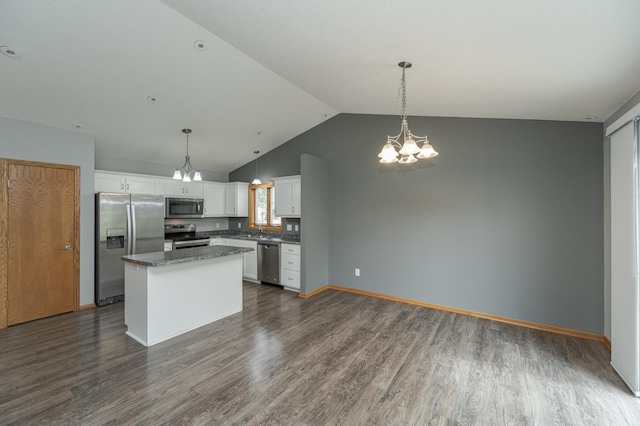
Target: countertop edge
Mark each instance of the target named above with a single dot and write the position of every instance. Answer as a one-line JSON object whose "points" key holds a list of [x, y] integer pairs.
{"points": [[164, 258]]}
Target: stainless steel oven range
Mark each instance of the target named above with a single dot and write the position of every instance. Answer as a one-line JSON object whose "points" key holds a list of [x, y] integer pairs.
{"points": [[184, 236]]}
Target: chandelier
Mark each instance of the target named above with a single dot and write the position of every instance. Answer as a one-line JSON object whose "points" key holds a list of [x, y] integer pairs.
{"points": [[409, 148], [184, 174]]}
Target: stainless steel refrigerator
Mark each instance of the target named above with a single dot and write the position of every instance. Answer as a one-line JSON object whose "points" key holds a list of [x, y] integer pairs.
{"points": [[125, 224]]}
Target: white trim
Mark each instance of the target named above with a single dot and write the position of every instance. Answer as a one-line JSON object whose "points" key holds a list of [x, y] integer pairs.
{"points": [[620, 122]]}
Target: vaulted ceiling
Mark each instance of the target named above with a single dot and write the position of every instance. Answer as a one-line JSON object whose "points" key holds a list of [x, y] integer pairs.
{"points": [[247, 75]]}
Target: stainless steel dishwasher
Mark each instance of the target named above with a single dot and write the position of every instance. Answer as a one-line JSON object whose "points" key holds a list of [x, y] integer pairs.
{"points": [[268, 262]]}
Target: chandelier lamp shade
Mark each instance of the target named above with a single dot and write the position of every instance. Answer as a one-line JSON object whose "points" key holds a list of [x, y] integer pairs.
{"points": [[187, 173], [405, 147], [256, 180]]}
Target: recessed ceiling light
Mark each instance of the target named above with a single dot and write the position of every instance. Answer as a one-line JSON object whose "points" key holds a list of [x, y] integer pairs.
{"points": [[10, 52], [325, 115], [200, 45], [152, 99]]}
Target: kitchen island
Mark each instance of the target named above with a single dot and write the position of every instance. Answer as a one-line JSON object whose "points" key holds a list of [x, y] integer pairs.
{"points": [[170, 293]]}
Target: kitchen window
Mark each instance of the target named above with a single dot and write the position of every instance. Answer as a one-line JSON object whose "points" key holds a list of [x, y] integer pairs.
{"points": [[262, 207]]}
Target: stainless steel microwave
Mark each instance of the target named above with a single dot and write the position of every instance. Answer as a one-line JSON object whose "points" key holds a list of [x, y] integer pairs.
{"points": [[186, 208]]}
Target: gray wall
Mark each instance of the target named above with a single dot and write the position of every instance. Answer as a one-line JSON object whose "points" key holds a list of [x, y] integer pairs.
{"points": [[21, 140], [508, 220], [315, 232], [142, 167], [607, 212]]}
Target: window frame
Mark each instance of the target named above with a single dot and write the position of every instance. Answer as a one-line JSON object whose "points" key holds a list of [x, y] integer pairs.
{"points": [[270, 186]]}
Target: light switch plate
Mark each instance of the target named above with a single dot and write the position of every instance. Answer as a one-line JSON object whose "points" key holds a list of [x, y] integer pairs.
{"points": [[217, 226], [239, 225], [288, 227], [297, 228]]}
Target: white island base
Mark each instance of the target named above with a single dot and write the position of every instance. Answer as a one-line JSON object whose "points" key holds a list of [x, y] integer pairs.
{"points": [[164, 301]]}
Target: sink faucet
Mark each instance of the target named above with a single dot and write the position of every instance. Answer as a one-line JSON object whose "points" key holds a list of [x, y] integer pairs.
{"points": [[260, 229]]}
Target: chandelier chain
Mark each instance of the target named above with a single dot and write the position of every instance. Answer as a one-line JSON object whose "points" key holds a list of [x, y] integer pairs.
{"points": [[403, 87]]}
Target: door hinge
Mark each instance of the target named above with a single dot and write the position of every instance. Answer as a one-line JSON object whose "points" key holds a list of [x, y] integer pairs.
{"points": [[8, 183]]}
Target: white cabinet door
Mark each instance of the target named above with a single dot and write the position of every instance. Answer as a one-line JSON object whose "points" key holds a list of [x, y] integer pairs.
{"points": [[288, 196], [214, 241], [237, 199], [194, 189], [290, 266], [214, 199], [296, 197], [123, 183], [139, 185], [230, 200], [250, 259], [177, 188], [174, 188], [107, 182], [283, 197], [250, 265]]}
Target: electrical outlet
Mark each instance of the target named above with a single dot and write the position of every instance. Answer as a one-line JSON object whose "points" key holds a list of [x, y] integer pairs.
{"points": [[297, 228], [357, 272], [217, 226], [288, 227], [239, 225]]}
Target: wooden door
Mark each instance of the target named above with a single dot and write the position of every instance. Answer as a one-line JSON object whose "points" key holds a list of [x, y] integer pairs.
{"points": [[42, 230]]}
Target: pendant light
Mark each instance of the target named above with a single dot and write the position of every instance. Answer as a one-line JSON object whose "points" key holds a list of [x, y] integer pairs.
{"points": [[257, 180], [184, 174], [409, 148]]}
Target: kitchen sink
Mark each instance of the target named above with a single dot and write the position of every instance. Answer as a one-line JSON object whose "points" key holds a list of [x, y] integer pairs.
{"points": [[269, 239]]}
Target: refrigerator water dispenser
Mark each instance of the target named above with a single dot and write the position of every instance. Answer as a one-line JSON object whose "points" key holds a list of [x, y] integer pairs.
{"points": [[115, 238]]}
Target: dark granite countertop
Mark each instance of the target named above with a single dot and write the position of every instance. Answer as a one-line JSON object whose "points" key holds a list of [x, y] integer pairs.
{"points": [[163, 258], [248, 236]]}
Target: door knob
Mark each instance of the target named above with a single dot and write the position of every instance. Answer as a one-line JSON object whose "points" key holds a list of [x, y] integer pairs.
{"points": [[66, 248]]}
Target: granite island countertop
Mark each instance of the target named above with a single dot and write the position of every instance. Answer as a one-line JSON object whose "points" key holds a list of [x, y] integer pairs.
{"points": [[163, 258]]}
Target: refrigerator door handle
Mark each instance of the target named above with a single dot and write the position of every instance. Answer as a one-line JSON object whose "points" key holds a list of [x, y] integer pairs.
{"points": [[129, 231], [134, 237]]}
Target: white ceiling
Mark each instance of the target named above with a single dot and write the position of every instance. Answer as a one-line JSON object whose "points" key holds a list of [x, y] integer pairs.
{"points": [[282, 67]]}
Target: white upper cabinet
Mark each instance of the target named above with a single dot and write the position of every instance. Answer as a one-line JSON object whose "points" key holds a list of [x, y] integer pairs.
{"points": [[237, 199], [214, 199], [178, 188], [123, 183], [288, 196]]}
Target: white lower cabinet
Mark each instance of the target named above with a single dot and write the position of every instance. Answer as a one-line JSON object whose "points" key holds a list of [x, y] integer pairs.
{"points": [[213, 241], [249, 260], [290, 266]]}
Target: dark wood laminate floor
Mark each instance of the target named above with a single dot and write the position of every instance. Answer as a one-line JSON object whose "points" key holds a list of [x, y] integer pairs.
{"points": [[337, 358]]}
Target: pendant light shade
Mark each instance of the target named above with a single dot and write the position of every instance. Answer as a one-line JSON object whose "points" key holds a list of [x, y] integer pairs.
{"points": [[256, 180]]}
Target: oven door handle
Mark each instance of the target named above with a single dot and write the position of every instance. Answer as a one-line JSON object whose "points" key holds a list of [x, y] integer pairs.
{"points": [[190, 243]]}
